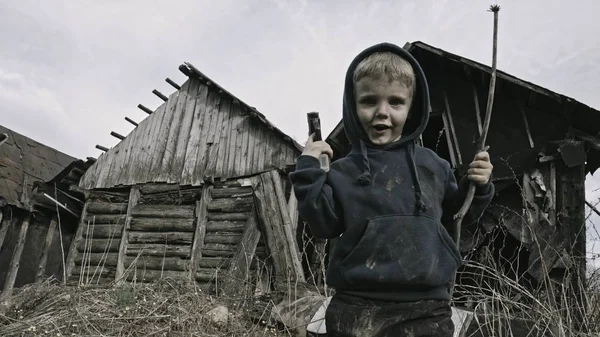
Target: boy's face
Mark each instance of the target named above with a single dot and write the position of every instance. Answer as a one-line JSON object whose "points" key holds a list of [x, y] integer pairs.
{"points": [[382, 107]]}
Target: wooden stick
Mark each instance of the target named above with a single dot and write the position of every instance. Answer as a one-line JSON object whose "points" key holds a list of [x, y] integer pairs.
{"points": [[134, 197], [452, 130], [13, 269], [146, 110], [524, 115], [160, 95], [102, 148], [116, 135], [481, 142], [175, 85], [131, 121], [47, 244], [592, 207]]}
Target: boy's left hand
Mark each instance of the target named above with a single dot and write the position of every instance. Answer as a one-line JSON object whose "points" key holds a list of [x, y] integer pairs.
{"points": [[480, 169]]}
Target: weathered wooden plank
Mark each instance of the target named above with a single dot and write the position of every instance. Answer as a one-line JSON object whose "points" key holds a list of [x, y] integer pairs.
{"points": [[263, 143], [149, 275], [230, 205], [231, 192], [152, 144], [201, 223], [105, 218], [290, 237], [157, 250], [219, 252], [103, 231], [293, 210], [120, 160], [105, 169], [157, 263], [107, 196], [214, 154], [98, 259], [73, 251], [107, 208], [165, 238], [241, 163], [214, 262], [235, 143], [165, 115], [229, 238], [175, 172], [13, 268], [452, 129], [174, 130], [227, 216], [4, 225], [226, 226], [253, 144], [197, 129], [98, 245], [161, 225], [164, 211], [240, 263], [209, 114], [137, 150], [134, 197], [208, 274], [218, 162]]}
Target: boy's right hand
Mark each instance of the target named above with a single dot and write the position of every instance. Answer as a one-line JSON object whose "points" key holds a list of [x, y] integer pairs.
{"points": [[315, 149]]}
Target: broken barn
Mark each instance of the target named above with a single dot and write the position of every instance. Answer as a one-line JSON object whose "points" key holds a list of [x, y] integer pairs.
{"points": [[542, 145], [35, 228], [197, 190]]}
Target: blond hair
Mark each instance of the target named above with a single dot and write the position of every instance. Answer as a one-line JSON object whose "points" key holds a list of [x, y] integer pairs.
{"points": [[386, 64]]}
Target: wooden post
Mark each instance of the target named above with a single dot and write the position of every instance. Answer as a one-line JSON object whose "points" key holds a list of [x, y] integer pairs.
{"points": [[134, 197], [116, 135], [47, 244], [131, 121], [453, 160], [144, 109], [75, 242], [175, 85], [201, 221], [293, 211], [102, 148], [13, 269], [452, 130], [477, 110], [160, 95]]}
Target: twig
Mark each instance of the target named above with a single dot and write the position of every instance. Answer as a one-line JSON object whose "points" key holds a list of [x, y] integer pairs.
{"points": [[592, 207], [481, 142]]}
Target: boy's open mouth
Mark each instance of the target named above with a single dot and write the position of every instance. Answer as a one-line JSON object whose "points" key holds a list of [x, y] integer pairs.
{"points": [[381, 127]]}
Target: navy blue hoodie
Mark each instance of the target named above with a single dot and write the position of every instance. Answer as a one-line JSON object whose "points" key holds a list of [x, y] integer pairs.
{"points": [[391, 204]]}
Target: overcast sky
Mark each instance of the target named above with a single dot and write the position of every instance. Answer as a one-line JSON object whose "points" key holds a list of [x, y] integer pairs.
{"points": [[70, 71]]}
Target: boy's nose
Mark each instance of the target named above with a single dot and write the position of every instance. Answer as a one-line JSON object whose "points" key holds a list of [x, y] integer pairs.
{"points": [[381, 111]]}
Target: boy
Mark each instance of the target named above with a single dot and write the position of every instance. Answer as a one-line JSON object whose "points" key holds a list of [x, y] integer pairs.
{"points": [[393, 202]]}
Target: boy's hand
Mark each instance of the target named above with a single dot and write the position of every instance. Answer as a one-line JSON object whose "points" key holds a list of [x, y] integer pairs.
{"points": [[315, 149], [480, 169]]}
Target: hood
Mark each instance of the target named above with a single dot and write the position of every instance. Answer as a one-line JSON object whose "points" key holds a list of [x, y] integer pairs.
{"points": [[419, 113], [414, 126]]}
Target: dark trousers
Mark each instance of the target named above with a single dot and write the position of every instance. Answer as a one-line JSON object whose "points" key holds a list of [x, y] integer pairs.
{"points": [[349, 316]]}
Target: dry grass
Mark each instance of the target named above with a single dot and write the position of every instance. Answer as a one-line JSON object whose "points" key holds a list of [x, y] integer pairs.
{"points": [[164, 308]]}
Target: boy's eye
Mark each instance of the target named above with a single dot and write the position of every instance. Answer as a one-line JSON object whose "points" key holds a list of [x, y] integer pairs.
{"points": [[367, 101], [396, 101]]}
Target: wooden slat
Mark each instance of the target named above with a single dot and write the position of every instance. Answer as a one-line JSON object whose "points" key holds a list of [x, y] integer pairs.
{"points": [[98, 259], [214, 262], [135, 150], [227, 216], [236, 120], [452, 129], [165, 238], [164, 211], [162, 225], [98, 219], [197, 130], [98, 246], [176, 169], [229, 238], [226, 226], [151, 145], [107, 208], [230, 205], [103, 231], [134, 197], [73, 251], [4, 225], [244, 151], [217, 162], [201, 223], [263, 143], [209, 114], [13, 268], [165, 113], [293, 210], [157, 250], [174, 127], [157, 263], [214, 154]]}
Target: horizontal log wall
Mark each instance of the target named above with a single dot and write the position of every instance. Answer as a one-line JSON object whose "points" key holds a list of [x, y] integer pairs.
{"points": [[94, 253], [198, 134]]}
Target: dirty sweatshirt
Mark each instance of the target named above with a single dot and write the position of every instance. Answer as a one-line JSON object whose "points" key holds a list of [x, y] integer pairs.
{"points": [[391, 204]]}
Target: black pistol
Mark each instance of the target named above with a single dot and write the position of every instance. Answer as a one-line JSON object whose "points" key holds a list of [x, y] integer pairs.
{"points": [[314, 127]]}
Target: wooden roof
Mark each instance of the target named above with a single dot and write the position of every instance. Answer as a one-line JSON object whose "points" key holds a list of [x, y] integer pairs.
{"points": [[201, 132], [24, 161]]}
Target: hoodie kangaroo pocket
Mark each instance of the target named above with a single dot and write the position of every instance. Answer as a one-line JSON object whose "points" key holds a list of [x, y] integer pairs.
{"points": [[402, 251]]}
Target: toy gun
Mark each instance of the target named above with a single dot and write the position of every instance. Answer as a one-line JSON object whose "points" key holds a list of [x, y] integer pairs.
{"points": [[314, 127]]}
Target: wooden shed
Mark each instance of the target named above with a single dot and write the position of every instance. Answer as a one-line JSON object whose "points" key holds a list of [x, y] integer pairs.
{"points": [[197, 190], [542, 145], [35, 227]]}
